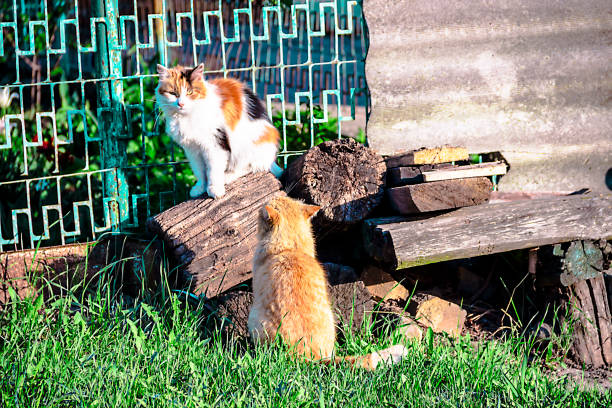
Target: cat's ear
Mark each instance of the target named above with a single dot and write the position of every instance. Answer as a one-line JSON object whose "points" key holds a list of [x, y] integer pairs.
{"points": [[271, 214], [197, 74], [310, 210], [162, 71]]}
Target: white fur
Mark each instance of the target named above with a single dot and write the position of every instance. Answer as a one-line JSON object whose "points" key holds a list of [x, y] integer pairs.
{"points": [[194, 128]]}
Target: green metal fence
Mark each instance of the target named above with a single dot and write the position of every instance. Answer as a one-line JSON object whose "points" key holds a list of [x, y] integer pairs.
{"points": [[82, 151]]}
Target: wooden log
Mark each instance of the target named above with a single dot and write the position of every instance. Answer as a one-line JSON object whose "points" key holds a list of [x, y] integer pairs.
{"points": [[342, 176], [351, 303], [490, 228], [213, 240], [444, 154], [133, 262], [592, 336], [440, 195], [458, 172], [22, 270]]}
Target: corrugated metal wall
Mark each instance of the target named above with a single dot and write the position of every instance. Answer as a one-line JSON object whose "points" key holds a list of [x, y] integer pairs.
{"points": [[529, 78]]}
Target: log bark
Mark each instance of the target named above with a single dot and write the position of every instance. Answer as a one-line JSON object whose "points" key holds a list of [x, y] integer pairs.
{"points": [[440, 195], [134, 263], [342, 176], [488, 229], [592, 336], [213, 240]]}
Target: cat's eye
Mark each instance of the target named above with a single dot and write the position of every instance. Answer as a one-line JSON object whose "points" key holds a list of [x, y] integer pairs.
{"points": [[171, 94], [189, 91]]}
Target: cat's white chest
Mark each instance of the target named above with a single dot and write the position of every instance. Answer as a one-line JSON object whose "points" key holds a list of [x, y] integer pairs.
{"points": [[198, 128]]}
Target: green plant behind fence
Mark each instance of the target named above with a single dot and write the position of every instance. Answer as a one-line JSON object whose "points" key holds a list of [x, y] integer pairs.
{"points": [[82, 148]]}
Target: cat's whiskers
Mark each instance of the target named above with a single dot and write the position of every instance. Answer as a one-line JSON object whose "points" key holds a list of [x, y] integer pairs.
{"points": [[159, 113]]}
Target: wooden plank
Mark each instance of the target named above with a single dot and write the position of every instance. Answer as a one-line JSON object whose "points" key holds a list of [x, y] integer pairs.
{"points": [[490, 228], [399, 176], [473, 170], [444, 154], [22, 270], [440, 195]]}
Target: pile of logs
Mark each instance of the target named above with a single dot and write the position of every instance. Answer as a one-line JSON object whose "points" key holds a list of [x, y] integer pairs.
{"points": [[379, 216], [429, 180]]}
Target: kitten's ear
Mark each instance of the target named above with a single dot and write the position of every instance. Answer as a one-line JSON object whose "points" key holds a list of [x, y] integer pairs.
{"points": [[197, 74], [162, 71], [271, 214], [310, 210]]}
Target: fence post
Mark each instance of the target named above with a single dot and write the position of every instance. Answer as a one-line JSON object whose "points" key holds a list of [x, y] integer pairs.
{"points": [[111, 124]]}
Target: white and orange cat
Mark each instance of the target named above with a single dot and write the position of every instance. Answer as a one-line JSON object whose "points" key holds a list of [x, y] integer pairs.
{"points": [[290, 288], [221, 125]]}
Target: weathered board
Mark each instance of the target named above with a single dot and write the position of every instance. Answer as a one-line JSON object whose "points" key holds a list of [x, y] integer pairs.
{"points": [[528, 78], [592, 336], [445, 154], [399, 176], [489, 228], [213, 241], [457, 172], [440, 195]]}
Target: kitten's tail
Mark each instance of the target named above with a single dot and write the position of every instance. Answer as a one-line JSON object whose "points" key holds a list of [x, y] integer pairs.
{"points": [[276, 170], [391, 355]]}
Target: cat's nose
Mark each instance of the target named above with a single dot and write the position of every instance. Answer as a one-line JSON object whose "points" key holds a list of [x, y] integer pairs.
{"points": [[180, 103]]}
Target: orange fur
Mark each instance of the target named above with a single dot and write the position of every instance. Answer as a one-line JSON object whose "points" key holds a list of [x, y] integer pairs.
{"points": [[270, 136], [230, 91], [290, 288]]}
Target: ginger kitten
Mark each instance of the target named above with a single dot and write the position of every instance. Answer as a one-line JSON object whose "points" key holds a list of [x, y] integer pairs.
{"points": [[221, 125], [290, 288]]}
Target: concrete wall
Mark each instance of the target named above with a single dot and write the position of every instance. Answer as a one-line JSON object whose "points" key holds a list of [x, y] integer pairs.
{"points": [[529, 78]]}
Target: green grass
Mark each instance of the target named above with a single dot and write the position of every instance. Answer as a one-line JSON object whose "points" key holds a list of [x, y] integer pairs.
{"points": [[98, 349]]}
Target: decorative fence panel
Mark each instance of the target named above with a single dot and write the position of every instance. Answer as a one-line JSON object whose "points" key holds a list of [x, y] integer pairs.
{"points": [[82, 149]]}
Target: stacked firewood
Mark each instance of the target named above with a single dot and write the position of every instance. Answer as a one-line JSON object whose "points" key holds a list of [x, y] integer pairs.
{"points": [[379, 217], [211, 241], [438, 179]]}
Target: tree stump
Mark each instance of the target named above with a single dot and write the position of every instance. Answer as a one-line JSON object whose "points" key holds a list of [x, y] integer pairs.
{"points": [[589, 305], [213, 240], [342, 176], [592, 335]]}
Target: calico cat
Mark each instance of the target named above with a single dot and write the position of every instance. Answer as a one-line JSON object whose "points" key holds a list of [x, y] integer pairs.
{"points": [[221, 125], [290, 288]]}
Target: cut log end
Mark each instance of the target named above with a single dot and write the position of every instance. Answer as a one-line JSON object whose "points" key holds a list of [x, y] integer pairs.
{"points": [[342, 176]]}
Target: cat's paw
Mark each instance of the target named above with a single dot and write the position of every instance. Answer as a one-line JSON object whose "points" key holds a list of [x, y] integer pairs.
{"points": [[231, 176], [197, 190], [215, 191]]}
